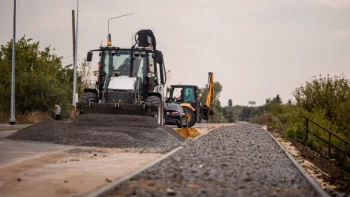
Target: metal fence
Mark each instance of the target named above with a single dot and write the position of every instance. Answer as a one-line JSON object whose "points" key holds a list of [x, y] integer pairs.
{"points": [[327, 141]]}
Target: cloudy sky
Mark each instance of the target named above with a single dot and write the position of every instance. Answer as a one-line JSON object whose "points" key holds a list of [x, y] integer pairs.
{"points": [[256, 48]]}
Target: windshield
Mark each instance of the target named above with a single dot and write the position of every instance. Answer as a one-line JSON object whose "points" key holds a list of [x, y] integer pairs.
{"points": [[120, 60], [189, 95], [184, 94], [173, 107]]}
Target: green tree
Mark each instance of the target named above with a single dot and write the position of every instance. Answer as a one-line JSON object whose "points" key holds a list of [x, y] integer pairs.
{"points": [[277, 99], [323, 93], [40, 78]]}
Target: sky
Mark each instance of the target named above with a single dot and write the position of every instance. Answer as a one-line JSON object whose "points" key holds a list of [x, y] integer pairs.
{"points": [[255, 48]]}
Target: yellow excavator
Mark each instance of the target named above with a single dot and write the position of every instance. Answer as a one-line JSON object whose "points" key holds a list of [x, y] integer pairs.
{"points": [[188, 99]]}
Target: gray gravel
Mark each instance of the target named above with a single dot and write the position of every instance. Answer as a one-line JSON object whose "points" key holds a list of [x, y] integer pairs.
{"points": [[241, 160], [104, 130]]}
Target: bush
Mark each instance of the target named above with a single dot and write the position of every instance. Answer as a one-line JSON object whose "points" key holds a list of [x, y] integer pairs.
{"points": [[41, 81], [325, 101]]}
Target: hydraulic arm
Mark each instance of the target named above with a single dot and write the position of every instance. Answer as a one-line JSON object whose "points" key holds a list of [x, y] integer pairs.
{"points": [[210, 97], [208, 108]]}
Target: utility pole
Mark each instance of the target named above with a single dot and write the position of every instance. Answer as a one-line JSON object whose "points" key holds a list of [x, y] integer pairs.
{"points": [[75, 60], [251, 108], [12, 116], [73, 36]]}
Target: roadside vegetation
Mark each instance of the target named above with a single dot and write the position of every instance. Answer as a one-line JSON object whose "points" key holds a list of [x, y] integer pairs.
{"points": [[326, 101], [41, 81]]}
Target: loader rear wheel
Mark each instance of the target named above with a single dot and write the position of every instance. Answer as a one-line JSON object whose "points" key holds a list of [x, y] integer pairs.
{"points": [[89, 97], [191, 116]]}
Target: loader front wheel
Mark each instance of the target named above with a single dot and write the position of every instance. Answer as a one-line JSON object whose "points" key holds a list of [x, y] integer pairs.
{"points": [[89, 97], [155, 101], [191, 116]]}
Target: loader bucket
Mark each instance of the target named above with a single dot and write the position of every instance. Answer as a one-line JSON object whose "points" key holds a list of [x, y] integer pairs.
{"points": [[111, 108]]}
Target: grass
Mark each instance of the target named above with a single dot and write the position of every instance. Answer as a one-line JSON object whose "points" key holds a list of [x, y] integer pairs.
{"points": [[28, 118], [288, 123]]}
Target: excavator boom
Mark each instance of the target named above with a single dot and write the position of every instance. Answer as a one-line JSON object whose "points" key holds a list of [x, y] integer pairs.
{"points": [[208, 108], [210, 97]]}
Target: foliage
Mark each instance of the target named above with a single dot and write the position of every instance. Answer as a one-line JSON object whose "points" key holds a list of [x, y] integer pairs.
{"points": [[41, 80], [233, 112], [323, 93], [324, 100]]}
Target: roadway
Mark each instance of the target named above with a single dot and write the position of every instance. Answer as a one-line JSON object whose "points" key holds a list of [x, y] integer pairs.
{"points": [[61, 170]]}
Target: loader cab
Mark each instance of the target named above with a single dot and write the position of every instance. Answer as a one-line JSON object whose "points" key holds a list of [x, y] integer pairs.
{"points": [[148, 64], [187, 97], [143, 63], [183, 94]]}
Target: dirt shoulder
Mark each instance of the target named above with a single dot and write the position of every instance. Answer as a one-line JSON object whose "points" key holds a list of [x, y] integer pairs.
{"points": [[334, 174], [73, 172], [331, 177]]}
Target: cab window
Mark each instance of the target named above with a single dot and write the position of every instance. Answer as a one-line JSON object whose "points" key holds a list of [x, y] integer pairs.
{"points": [[189, 96]]}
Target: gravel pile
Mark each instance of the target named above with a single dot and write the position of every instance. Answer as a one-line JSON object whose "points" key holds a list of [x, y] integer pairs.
{"points": [[239, 160], [104, 130]]}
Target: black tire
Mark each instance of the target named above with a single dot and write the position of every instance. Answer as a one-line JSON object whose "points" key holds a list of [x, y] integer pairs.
{"points": [[89, 97], [179, 126], [154, 101], [191, 116]]}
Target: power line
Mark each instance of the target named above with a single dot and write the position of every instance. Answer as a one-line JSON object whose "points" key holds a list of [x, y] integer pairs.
{"points": [[66, 57], [80, 57], [65, 62]]}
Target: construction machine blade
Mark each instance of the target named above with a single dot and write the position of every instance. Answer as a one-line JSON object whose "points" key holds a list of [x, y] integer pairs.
{"points": [[114, 108]]}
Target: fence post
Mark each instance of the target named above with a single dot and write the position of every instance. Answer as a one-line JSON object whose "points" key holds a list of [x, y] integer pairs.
{"points": [[329, 145], [346, 152], [307, 129]]}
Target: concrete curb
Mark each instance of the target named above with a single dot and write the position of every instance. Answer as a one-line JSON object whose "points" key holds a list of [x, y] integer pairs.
{"points": [[104, 190], [308, 177], [13, 127]]}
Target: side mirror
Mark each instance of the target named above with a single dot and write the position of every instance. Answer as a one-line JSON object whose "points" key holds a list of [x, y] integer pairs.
{"points": [[89, 56]]}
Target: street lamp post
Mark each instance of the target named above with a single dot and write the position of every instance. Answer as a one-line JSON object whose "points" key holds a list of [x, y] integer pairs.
{"points": [[74, 102], [109, 37], [251, 108], [12, 116], [117, 17]]}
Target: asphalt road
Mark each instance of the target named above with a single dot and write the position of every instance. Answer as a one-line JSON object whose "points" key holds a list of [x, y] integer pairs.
{"points": [[6, 127], [13, 151]]}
